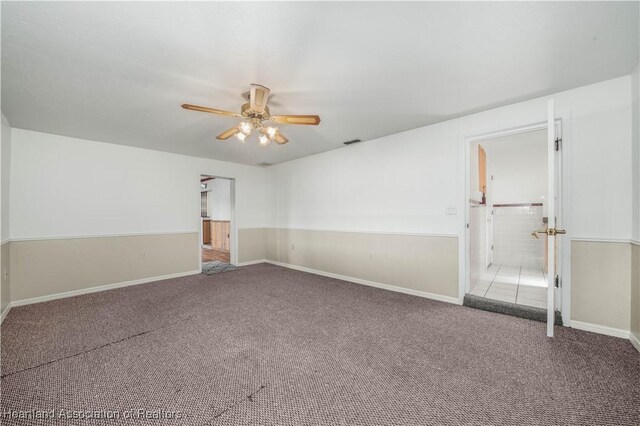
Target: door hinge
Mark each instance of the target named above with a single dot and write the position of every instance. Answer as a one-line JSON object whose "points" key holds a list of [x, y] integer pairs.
{"points": [[558, 143], [467, 226], [557, 282], [492, 247]]}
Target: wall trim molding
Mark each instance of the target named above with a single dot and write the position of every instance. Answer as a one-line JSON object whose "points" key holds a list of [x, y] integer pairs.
{"points": [[349, 231], [5, 312], [416, 234], [76, 237], [600, 329], [635, 340], [100, 288], [602, 240], [427, 295], [252, 262]]}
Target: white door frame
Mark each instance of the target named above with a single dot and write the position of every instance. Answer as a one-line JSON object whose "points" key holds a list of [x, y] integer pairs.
{"points": [[488, 229], [233, 238], [565, 252]]}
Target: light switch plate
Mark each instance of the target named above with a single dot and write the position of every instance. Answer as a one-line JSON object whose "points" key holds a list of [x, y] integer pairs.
{"points": [[450, 210]]}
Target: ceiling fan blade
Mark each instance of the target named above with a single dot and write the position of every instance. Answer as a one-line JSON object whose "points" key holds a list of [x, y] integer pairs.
{"points": [[280, 139], [312, 120], [228, 133], [258, 97], [211, 110]]}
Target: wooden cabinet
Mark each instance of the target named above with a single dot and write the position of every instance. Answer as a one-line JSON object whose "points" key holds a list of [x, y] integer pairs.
{"points": [[482, 170], [220, 235], [206, 231]]}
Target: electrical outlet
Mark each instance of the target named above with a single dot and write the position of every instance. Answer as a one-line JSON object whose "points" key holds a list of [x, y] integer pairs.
{"points": [[450, 210]]}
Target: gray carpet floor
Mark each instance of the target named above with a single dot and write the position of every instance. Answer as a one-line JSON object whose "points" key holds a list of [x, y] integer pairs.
{"points": [[264, 345]]}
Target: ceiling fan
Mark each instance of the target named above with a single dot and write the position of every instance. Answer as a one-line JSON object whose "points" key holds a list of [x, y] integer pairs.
{"points": [[255, 116]]}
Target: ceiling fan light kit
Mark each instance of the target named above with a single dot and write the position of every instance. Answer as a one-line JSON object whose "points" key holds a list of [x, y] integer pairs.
{"points": [[255, 116]]}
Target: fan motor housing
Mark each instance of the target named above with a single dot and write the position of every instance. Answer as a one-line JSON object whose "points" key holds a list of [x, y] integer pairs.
{"points": [[246, 111]]}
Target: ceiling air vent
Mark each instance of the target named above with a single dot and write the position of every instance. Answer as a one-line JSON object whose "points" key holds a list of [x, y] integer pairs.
{"points": [[265, 164], [352, 141]]}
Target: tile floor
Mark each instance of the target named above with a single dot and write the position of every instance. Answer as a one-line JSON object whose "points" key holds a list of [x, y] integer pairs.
{"points": [[515, 284], [209, 254]]}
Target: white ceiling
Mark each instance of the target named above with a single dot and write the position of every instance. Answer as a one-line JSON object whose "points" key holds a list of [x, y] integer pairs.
{"points": [[118, 72]]}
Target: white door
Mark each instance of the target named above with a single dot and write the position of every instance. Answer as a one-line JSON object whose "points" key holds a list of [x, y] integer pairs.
{"points": [[553, 213]]}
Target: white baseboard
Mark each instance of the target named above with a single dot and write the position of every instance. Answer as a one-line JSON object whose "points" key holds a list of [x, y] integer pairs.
{"points": [[5, 312], [252, 262], [600, 329], [412, 292], [96, 289], [635, 340]]}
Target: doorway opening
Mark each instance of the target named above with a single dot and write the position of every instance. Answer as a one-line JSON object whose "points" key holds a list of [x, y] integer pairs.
{"points": [[216, 214], [508, 213]]}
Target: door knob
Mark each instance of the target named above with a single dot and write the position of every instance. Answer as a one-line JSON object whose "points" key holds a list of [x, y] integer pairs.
{"points": [[551, 231]]}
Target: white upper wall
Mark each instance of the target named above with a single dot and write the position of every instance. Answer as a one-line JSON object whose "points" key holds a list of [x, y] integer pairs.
{"points": [[518, 164], [404, 182], [65, 187], [399, 183], [5, 173]]}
